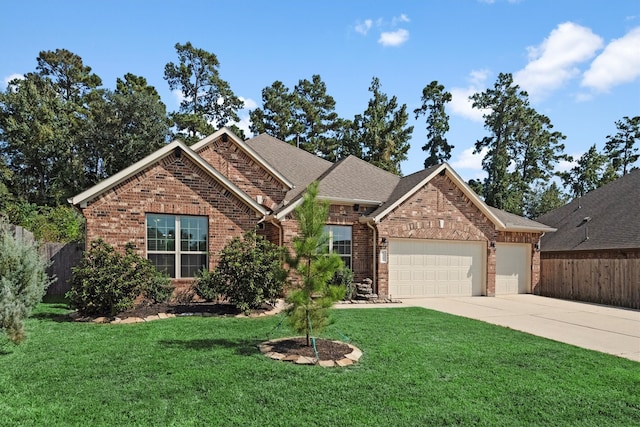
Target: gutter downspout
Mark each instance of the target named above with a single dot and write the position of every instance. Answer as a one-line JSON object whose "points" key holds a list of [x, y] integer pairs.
{"points": [[375, 257]]}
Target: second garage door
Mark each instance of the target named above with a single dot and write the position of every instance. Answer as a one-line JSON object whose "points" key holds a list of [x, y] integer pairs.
{"points": [[432, 268], [512, 268]]}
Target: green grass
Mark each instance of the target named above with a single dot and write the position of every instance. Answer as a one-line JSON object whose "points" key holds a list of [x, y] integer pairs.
{"points": [[419, 368]]}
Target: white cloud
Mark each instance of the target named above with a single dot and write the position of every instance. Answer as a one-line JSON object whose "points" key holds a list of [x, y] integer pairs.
{"points": [[364, 27], [178, 95], [618, 63], [249, 104], [244, 124], [470, 161], [554, 62], [11, 77], [461, 104], [394, 38], [398, 19]]}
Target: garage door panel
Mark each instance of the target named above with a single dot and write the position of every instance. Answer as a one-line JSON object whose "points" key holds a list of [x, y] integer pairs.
{"points": [[512, 269], [438, 268]]}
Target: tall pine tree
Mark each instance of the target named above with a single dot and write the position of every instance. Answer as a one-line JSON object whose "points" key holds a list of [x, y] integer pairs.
{"points": [[208, 102], [382, 130], [434, 100], [622, 148]]}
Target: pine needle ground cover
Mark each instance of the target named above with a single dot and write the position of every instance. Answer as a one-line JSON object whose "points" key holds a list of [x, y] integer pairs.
{"points": [[419, 368]]}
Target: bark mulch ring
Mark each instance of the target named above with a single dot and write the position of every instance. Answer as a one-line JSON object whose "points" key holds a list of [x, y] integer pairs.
{"points": [[295, 349]]}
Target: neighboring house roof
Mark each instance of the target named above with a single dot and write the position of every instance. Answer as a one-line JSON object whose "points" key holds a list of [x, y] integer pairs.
{"points": [[249, 150], [605, 218], [300, 167], [103, 186]]}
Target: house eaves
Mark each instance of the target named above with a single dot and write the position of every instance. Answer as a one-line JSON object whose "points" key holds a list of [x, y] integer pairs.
{"points": [[86, 196], [248, 151]]}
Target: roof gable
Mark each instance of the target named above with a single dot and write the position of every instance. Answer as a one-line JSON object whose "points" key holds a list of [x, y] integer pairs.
{"points": [[410, 184], [103, 186], [605, 218], [248, 149]]}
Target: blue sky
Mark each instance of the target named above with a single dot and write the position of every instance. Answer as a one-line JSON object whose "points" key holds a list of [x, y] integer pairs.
{"points": [[579, 60]]}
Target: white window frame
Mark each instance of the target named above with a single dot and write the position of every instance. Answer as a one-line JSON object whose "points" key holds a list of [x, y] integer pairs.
{"points": [[177, 252], [329, 228]]}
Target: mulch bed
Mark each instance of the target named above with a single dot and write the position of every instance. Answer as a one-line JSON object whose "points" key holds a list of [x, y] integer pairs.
{"points": [[327, 349], [146, 309]]}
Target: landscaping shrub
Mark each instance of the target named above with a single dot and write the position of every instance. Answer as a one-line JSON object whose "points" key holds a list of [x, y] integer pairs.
{"points": [[344, 278], [107, 282], [248, 274], [23, 282]]}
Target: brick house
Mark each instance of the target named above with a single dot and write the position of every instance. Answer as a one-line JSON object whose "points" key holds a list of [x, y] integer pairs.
{"points": [[425, 234], [595, 254]]}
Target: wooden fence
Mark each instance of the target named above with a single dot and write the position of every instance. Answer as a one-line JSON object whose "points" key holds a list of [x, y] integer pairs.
{"points": [[610, 281], [63, 257]]}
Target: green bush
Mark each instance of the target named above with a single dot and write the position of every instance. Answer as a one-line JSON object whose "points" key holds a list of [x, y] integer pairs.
{"points": [[248, 274], [48, 224], [208, 286], [107, 282], [23, 282], [344, 278]]}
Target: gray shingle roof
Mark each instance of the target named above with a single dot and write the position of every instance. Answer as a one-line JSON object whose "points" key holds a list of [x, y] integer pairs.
{"points": [[299, 166], [605, 218], [354, 179], [517, 221]]}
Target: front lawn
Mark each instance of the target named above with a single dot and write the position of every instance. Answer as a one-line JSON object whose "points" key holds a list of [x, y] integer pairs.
{"points": [[419, 368]]}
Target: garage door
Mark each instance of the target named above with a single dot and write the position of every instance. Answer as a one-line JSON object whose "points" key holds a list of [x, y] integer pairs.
{"points": [[512, 268], [433, 268]]}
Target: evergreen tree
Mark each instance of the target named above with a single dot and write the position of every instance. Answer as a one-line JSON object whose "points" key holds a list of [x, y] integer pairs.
{"points": [[621, 148], [382, 130], [23, 282], [591, 172], [276, 117], [304, 117], [71, 78], [308, 310], [544, 199], [521, 148], [316, 124], [434, 99], [208, 102]]}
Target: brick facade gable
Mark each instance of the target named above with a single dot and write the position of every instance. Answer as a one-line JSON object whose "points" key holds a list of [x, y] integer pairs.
{"points": [[228, 159]]}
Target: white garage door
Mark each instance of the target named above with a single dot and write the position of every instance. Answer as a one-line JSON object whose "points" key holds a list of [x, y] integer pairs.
{"points": [[512, 268], [432, 268]]}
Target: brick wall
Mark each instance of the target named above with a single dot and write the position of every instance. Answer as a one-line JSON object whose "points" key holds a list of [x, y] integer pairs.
{"points": [[228, 159], [175, 186], [420, 215]]}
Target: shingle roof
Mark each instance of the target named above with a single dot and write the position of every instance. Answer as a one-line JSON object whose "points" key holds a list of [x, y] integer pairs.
{"points": [[605, 218], [354, 179], [516, 221], [299, 166]]}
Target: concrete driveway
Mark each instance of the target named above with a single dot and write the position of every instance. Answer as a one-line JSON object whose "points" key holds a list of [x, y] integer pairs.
{"points": [[606, 329]]}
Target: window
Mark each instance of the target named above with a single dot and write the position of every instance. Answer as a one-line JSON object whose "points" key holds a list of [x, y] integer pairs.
{"points": [[340, 242], [177, 255]]}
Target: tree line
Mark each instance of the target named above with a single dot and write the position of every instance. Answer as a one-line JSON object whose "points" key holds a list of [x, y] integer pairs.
{"points": [[61, 131]]}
